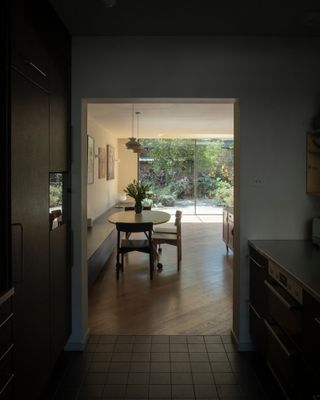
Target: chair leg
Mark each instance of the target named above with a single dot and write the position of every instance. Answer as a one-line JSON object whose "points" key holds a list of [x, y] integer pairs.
{"points": [[178, 258], [151, 261], [117, 265]]}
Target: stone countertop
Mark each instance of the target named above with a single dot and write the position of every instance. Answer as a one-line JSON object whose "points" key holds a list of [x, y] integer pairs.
{"points": [[301, 259]]}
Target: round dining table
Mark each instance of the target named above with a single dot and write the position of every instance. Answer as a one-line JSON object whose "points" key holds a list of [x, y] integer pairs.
{"points": [[131, 217]]}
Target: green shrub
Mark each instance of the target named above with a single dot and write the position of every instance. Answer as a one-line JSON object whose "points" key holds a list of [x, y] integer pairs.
{"points": [[167, 200], [223, 193]]}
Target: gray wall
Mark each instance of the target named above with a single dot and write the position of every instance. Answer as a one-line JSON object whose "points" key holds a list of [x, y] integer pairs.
{"points": [[277, 83]]}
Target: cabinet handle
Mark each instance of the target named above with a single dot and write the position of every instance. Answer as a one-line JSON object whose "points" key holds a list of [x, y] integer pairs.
{"points": [[255, 311], [317, 320], [20, 226], [257, 264], [278, 295], [36, 68], [276, 337]]}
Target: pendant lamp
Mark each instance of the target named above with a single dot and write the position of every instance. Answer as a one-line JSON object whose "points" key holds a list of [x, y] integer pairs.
{"points": [[133, 143]]}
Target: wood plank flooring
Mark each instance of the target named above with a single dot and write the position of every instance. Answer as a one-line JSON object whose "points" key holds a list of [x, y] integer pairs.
{"points": [[195, 301]]}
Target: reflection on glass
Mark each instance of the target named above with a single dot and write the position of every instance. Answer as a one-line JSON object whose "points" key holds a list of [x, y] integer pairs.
{"points": [[56, 200]]}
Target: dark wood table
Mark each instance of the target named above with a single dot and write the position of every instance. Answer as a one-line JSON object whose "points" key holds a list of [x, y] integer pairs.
{"points": [[130, 217]]}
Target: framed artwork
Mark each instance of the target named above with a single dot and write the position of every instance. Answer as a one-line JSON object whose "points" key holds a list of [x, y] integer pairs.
{"points": [[110, 162], [90, 144], [102, 163]]}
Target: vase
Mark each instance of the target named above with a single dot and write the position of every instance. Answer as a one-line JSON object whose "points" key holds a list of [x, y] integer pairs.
{"points": [[138, 207]]}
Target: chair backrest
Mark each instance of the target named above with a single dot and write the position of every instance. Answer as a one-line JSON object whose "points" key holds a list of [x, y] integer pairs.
{"points": [[177, 222], [136, 227]]}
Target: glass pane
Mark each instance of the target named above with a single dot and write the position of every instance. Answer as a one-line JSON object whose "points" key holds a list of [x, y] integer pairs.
{"points": [[214, 176], [168, 166], [56, 199]]}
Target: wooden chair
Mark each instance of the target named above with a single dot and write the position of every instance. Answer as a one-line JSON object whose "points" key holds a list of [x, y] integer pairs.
{"points": [[168, 228], [126, 245], [173, 239]]}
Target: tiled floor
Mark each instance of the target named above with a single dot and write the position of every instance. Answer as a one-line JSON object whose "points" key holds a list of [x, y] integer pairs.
{"points": [[162, 367]]}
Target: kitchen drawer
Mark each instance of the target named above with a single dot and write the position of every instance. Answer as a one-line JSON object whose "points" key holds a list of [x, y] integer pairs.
{"points": [[257, 330], [258, 274]]}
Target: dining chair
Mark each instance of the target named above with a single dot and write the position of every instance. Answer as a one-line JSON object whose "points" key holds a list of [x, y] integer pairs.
{"points": [[126, 245], [168, 228], [173, 239]]}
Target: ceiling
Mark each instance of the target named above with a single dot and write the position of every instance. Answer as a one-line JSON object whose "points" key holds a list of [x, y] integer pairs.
{"points": [[165, 120], [190, 17]]}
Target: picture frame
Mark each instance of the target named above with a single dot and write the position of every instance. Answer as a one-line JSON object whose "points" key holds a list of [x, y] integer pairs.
{"points": [[110, 162], [90, 159], [102, 163]]}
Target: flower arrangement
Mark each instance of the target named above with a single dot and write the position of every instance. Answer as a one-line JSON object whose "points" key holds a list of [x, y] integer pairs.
{"points": [[138, 191]]}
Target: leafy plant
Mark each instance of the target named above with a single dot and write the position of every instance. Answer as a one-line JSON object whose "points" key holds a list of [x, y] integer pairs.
{"points": [[223, 193], [137, 190]]}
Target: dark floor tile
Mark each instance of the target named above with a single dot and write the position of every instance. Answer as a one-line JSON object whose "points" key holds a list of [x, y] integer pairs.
{"points": [[115, 391], [94, 339], [197, 357], [142, 347], [221, 366], [200, 367], [160, 391], [180, 357], [212, 339], [119, 367], [104, 348], [160, 347], [123, 348], [140, 367], [197, 348], [97, 366], [215, 348], [230, 392], [121, 357], [178, 348], [195, 339], [182, 391], [160, 367], [107, 339], [224, 378], [230, 347], [160, 378], [143, 339], [138, 378], [180, 367], [218, 357], [91, 347], [178, 339], [125, 339], [139, 357], [101, 357], [160, 339], [226, 338], [137, 391], [117, 378], [181, 378], [202, 378], [205, 391], [160, 357]]}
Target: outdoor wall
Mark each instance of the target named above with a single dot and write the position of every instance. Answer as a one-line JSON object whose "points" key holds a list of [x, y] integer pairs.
{"points": [[277, 82], [128, 166], [103, 193]]}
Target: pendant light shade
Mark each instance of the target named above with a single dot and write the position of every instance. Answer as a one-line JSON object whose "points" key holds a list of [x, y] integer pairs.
{"points": [[133, 143]]}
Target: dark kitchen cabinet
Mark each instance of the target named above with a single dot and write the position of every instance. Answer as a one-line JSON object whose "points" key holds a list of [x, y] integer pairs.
{"points": [[29, 180], [40, 144]]}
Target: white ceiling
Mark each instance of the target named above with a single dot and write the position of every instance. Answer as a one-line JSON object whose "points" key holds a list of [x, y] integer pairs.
{"points": [[165, 120]]}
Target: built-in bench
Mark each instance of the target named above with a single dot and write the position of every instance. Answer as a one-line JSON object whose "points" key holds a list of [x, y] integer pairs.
{"points": [[101, 241]]}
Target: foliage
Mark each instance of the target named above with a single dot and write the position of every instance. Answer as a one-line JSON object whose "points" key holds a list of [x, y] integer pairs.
{"points": [[167, 200], [223, 193], [137, 190], [55, 195]]}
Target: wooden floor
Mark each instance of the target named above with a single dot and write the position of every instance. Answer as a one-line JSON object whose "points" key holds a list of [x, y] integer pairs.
{"points": [[195, 301]]}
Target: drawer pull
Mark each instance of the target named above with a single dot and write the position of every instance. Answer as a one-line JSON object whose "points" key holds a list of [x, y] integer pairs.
{"points": [[290, 306], [276, 337], [317, 320], [255, 311], [36, 68], [7, 382], [257, 264]]}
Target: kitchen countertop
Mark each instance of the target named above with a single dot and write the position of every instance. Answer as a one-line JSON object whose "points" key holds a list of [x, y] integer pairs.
{"points": [[300, 258]]}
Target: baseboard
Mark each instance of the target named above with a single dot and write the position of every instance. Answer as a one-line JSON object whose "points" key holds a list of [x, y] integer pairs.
{"points": [[78, 346], [247, 346]]}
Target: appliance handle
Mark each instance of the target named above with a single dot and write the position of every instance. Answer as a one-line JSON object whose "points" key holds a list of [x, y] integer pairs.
{"points": [[257, 264], [278, 295], [276, 337], [255, 311], [20, 226]]}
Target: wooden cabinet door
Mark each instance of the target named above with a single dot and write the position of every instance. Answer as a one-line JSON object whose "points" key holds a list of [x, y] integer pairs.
{"points": [[30, 150]]}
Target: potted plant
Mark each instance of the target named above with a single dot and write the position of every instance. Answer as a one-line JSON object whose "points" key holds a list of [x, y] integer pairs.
{"points": [[138, 191]]}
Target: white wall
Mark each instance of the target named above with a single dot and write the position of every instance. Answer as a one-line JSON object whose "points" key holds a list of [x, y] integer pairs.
{"points": [[103, 193], [277, 82]]}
